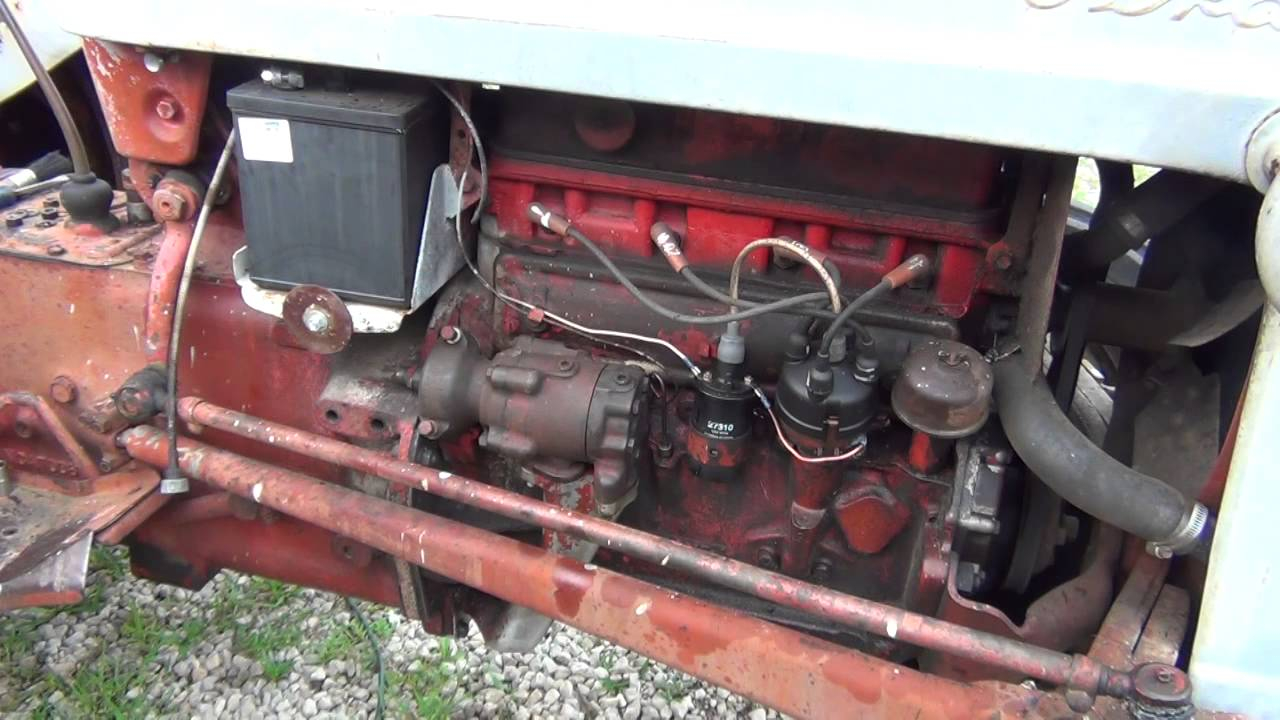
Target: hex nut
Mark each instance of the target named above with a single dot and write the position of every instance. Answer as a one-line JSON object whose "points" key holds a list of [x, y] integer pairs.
{"points": [[63, 390], [166, 109], [169, 206]]}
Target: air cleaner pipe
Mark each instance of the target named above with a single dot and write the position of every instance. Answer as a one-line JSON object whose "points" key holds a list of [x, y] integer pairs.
{"points": [[782, 668], [1078, 672]]}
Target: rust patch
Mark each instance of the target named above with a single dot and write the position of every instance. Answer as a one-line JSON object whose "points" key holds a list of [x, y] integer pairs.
{"points": [[691, 633], [571, 585]]}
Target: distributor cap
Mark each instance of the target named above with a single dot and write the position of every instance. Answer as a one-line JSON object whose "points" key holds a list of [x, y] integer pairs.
{"points": [[815, 396]]}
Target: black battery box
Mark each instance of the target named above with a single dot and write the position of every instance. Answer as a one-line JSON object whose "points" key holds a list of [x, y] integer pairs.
{"points": [[333, 186]]}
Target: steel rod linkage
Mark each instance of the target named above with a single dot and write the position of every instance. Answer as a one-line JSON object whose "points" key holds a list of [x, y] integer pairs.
{"points": [[1081, 674], [783, 668]]}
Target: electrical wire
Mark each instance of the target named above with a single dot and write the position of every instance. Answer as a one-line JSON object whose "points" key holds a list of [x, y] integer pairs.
{"points": [[535, 312], [858, 448], [527, 308], [791, 247], [799, 302], [668, 243], [67, 124], [880, 288], [377, 655], [716, 294], [545, 219], [180, 305], [477, 149]]}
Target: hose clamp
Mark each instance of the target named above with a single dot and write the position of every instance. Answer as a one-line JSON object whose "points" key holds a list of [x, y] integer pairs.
{"points": [[1186, 537]]}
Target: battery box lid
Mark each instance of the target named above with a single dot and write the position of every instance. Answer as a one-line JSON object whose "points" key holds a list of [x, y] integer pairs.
{"points": [[375, 109]]}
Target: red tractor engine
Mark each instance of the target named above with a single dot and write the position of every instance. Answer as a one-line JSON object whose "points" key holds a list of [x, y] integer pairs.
{"points": [[674, 376]]}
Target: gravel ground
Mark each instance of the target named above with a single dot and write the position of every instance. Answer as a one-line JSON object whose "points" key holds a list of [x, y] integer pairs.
{"points": [[254, 648]]}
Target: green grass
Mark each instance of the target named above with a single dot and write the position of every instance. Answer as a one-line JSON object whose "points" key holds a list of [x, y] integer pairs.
{"points": [[448, 651], [18, 635], [421, 693], [608, 659], [613, 686], [111, 562], [673, 690], [268, 640], [269, 593], [148, 632], [101, 689], [264, 626], [19, 631], [348, 641], [275, 670]]}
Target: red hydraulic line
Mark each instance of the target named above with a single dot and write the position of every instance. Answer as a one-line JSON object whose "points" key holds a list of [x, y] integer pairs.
{"points": [[1076, 672], [779, 667]]}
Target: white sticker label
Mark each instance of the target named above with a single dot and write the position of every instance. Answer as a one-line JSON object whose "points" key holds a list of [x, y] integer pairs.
{"points": [[266, 139]]}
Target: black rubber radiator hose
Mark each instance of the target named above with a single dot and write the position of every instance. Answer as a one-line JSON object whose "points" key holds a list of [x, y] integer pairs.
{"points": [[1087, 477]]}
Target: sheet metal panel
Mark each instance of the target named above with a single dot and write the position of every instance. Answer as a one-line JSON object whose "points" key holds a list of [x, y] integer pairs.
{"points": [[1174, 83]]}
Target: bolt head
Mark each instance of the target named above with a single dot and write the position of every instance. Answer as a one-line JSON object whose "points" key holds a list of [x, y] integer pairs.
{"points": [[767, 558], [317, 320], [54, 249], [152, 62], [132, 402], [1004, 261], [1161, 686], [166, 110], [170, 206], [14, 220], [450, 334], [63, 390]]}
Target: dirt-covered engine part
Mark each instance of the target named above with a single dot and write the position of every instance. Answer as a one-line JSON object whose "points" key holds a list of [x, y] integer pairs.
{"points": [[540, 400]]}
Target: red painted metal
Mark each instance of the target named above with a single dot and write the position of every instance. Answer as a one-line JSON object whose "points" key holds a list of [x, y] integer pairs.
{"points": [[1078, 672], [156, 115], [812, 488], [84, 467], [166, 274], [927, 453], [1062, 619], [131, 519], [793, 672], [275, 547], [618, 210], [1211, 493], [44, 528], [870, 516]]}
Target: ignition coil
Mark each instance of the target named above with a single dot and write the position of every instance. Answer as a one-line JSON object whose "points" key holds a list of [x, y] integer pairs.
{"points": [[722, 413]]}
